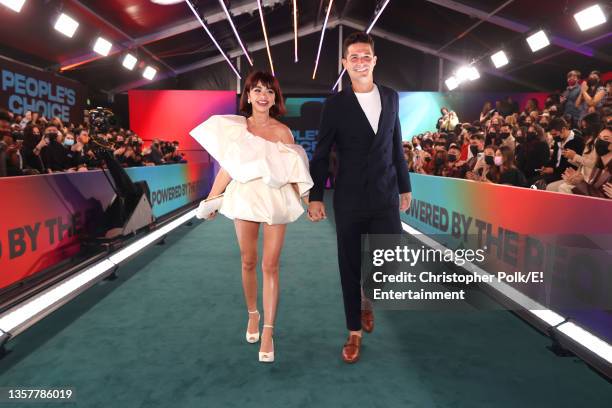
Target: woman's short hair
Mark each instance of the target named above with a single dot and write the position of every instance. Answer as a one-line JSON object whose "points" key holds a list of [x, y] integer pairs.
{"points": [[269, 81]]}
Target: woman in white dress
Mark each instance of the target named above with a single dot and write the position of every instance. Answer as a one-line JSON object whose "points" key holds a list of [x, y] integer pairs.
{"points": [[263, 176]]}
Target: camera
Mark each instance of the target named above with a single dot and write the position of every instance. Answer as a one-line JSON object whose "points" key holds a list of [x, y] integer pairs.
{"points": [[101, 120]]}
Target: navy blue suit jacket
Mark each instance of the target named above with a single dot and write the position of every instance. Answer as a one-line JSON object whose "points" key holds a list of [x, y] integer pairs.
{"points": [[372, 170]]}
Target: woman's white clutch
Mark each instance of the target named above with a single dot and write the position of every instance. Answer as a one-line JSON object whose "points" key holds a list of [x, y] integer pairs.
{"points": [[209, 206]]}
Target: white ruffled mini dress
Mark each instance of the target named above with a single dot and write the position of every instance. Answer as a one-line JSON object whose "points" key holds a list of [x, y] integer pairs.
{"points": [[262, 172]]}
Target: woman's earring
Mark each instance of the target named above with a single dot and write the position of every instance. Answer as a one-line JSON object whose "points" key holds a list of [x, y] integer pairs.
{"points": [[248, 101]]}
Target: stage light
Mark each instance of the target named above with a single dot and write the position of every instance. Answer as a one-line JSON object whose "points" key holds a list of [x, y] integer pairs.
{"points": [[329, 6], [587, 340], [52, 297], [66, 25], [142, 243], [129, 61], [167, 2], [149, 73], [467, 73], [451, 83], [473, 73], [377, 16], [102, 46], [538, 41], [499, 59], [229, 18], [194, 11], [590, 17], [295, 30], [14, 5], [265, 33]]}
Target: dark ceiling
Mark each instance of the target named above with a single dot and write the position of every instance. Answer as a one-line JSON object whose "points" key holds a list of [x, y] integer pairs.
{"points": [[143, 27]]}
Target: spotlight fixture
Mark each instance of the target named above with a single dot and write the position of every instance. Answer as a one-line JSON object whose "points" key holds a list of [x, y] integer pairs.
{"points": [[329, 6], [102, 46], [499, 59], [451, 83], [149, 73], [538, 41], [590, 17], [14, 5], [467, 73], [66, 25], [229, 18], [197, 15], [129, 61], [263, 27]]}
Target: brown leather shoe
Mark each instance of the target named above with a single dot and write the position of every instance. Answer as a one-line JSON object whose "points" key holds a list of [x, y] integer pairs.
{"points": [[367, 320], [350, 351]]}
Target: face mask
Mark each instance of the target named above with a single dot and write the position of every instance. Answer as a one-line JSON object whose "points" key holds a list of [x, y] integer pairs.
{"points": [[602, 147], [439, 161], [452, 157], [557, 139], [592, 82], [571, 82], [531, 135], [504, 135], [69, 142], [474, 149], [498, 160], [489, 160]]}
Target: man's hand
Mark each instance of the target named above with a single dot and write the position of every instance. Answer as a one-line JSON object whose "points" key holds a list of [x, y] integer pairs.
{"points": [[405, 199], [316, 211]]}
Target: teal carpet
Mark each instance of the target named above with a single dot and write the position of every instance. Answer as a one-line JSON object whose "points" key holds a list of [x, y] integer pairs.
{"points": [[169, 332]]}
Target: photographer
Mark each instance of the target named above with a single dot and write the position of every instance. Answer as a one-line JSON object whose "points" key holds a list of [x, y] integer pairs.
{"points": [[85, 156], [54, 154]]}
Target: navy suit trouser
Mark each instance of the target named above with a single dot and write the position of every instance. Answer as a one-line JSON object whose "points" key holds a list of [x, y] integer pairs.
{"points": [[350, 227]]}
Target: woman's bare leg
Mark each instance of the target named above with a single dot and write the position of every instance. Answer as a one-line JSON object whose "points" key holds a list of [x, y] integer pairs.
{"points": [[247, 233], [274, 236]]}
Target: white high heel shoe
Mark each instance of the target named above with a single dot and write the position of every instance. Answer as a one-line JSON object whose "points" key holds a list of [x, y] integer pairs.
{"points": [[267, 357], [253, 337]]}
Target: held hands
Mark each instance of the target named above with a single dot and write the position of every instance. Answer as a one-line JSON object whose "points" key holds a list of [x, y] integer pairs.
{"points": [[316, 211]]}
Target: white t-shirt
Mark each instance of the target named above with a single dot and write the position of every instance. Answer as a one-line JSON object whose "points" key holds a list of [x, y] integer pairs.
{"points": [[371, 105]]}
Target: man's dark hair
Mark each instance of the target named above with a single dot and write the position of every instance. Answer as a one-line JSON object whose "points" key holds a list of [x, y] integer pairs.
{"points": [[357, 37], [558, 124]]}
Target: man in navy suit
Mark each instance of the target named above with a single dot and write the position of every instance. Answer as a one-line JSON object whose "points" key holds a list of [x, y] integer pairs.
{"points": [[372, 182]]}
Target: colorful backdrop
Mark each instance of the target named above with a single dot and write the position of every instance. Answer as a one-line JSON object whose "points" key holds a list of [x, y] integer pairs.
{"points": [[170, 115], [48, 215], [568, 237]]}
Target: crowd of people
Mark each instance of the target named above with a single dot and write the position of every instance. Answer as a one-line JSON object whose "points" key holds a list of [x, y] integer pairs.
{"points": [[32, 144], [563, 146]]}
